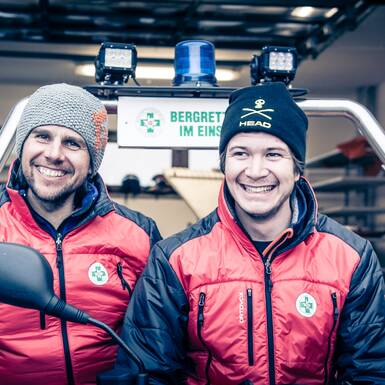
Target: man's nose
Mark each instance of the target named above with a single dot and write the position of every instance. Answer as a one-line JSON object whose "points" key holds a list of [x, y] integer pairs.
{"points": [[54, 151], [256, 168]]}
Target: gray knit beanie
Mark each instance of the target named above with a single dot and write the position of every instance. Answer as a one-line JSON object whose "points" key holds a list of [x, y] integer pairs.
{"points": [[71, 107]]}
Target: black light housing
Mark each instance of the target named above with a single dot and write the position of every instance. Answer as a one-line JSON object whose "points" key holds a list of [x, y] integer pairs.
{"points": [[115, 63], [274, 64]]}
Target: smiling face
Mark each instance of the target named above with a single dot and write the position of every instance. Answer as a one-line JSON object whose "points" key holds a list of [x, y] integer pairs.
{"points": [[259, 173], [55, 162]]}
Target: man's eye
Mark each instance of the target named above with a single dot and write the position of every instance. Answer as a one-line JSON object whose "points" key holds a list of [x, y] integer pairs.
{"points": [[72, 145], [42, 137], [274, 155], [239, 154]]}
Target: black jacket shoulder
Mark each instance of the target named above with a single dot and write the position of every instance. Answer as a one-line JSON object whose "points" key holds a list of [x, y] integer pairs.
{"points": [[141, 220], [4, 197], [326, 224]]}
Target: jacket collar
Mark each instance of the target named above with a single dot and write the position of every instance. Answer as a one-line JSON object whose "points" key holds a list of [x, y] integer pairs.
{"points": [[95, 201], [304, 217]]}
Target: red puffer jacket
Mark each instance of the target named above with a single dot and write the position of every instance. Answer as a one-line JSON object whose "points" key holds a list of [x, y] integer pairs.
{"points": [[96, 262], [308, 310]]}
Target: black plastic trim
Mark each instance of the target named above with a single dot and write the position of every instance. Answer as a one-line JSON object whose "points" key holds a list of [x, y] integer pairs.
{"points": [[125, 285], [200, 321], [335, 318], [60, 266], [250, 340]]}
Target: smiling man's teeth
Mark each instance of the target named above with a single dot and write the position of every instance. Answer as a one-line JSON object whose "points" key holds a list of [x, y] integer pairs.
{"points": [[49, 172], [259, 189]]}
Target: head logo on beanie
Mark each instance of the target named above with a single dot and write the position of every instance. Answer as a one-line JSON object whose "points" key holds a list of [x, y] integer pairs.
{"points": [[269, 108], [71, 107], [257, 111]]}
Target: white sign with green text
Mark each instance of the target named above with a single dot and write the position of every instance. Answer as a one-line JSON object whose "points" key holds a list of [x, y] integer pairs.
{"points": [[170, 122]]}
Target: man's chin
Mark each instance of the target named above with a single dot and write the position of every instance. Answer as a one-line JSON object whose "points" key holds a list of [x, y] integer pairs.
{"points": [[52, 197], [262, 213]]}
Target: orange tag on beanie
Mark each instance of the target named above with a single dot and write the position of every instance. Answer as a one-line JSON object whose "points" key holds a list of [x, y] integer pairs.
{"points": [[101, 134]]}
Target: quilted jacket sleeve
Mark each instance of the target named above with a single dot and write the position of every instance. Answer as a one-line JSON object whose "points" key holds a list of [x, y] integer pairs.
{"points": [[155, 325], [154, 233], [360, 352]]}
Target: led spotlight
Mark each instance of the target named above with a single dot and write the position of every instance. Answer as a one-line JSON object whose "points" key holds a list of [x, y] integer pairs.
{"points": [[274, 64], [194, 63], [115, 63]]}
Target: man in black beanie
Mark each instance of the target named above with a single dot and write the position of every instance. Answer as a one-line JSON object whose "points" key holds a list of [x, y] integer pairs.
{"points": [[264, 290]]}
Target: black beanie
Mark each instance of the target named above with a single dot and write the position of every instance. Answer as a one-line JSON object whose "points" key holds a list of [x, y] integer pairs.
{"points": [[269, 108]]}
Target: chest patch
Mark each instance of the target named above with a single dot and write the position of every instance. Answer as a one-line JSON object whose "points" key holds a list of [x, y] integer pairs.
{"points": [[306, 305], [98, 274]]}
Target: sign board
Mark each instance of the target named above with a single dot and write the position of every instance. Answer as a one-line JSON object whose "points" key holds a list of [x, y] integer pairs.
{"points": [[170, 122]]}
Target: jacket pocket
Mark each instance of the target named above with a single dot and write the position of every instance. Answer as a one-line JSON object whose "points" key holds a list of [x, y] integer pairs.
{"points": [[335, 319], [250, 340], [200, 321], [125, 285]]}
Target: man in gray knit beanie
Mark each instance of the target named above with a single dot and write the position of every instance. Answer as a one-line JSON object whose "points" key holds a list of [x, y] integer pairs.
{"points": [[56, 202]]}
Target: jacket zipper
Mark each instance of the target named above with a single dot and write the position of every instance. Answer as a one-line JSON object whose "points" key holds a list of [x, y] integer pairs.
{"points": [[267, 261], [201, 305], [335, 318], [60, 266], [125, 284], [250, 342], [269, 318]]}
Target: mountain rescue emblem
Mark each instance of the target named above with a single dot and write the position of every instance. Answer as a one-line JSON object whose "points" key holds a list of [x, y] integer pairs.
{"points": [[98, 274], [306, 305]]}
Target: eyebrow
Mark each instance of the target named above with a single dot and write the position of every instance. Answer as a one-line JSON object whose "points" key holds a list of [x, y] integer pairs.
{"points": [[277, 149], [39, 130], [266, 149], [237, 147], [79, 140]]}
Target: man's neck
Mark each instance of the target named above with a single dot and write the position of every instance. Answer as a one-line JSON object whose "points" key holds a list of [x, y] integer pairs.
{"points": [[265, 229], [53, 212]]}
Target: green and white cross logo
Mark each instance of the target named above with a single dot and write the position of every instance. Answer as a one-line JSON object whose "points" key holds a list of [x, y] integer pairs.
{"points": [[306, 305], [149, 122], [98, 274]]}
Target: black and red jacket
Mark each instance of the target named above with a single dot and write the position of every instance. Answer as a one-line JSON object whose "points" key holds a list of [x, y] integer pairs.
{"points": [[48, 351], [308, 311]]}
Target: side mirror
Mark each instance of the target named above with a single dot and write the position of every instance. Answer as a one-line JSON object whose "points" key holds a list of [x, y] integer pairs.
{"points": [[26, 280]]}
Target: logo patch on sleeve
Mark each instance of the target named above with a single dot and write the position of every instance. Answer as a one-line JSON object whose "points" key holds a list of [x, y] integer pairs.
{"points": [[98, 274], [306, 305]]}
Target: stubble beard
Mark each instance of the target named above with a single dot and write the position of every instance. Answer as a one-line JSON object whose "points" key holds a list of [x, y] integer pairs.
{"points": [[262, 217], [55, 199]]}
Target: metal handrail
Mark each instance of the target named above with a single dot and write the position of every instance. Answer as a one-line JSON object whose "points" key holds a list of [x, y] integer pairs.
{"points": [[364, 121], [8, 131]]}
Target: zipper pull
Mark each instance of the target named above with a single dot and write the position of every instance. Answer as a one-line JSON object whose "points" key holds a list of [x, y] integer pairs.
{"points": [[268, 266], [58, 243], [335, 306], [124, 283], [201, 304]]}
